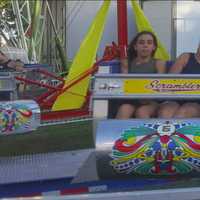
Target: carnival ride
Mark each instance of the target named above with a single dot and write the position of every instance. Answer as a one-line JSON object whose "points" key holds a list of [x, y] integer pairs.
{"points": [[130, 154]]}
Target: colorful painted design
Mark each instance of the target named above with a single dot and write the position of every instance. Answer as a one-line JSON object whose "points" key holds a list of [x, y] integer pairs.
{"points": [[158, 149], [14, 117]]}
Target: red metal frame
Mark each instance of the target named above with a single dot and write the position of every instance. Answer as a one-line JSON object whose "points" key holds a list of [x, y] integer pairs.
{"points": [[110, 53], [64, 114], [122, 22], [50, 89], [122, 27], [47, 99]]}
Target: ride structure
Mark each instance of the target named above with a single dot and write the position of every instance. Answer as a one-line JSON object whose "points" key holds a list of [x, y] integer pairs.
{"points": [[135, 153]]}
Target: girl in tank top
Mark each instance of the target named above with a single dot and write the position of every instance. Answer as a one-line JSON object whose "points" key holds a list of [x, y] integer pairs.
{"points": [[140, 60]]}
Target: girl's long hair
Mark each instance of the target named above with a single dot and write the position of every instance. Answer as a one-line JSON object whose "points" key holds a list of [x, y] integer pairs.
{"points": [[132, 53]]}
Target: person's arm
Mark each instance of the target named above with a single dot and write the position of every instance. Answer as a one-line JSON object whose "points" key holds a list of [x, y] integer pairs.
{"points": [[8, 63], [3, 58], [161, 66], [180, 63], [124, 65], [16, 65]]}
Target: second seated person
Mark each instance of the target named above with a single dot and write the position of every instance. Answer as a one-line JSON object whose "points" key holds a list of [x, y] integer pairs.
{"points": [[141, 60], [186, 63]]}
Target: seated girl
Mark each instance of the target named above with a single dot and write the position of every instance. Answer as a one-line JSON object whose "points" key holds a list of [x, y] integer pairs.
{"points": [[140, 60]]}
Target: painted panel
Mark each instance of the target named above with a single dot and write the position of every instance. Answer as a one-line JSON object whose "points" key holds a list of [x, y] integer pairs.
{"points": [[138, 85], [19, 117], [128, 148]]}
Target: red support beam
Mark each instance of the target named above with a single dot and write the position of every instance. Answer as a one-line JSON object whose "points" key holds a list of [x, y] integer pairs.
{"points": [[122, 23]]}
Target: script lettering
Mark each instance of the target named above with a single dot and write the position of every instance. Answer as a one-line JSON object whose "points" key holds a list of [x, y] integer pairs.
{"points": [[156, 85]]}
